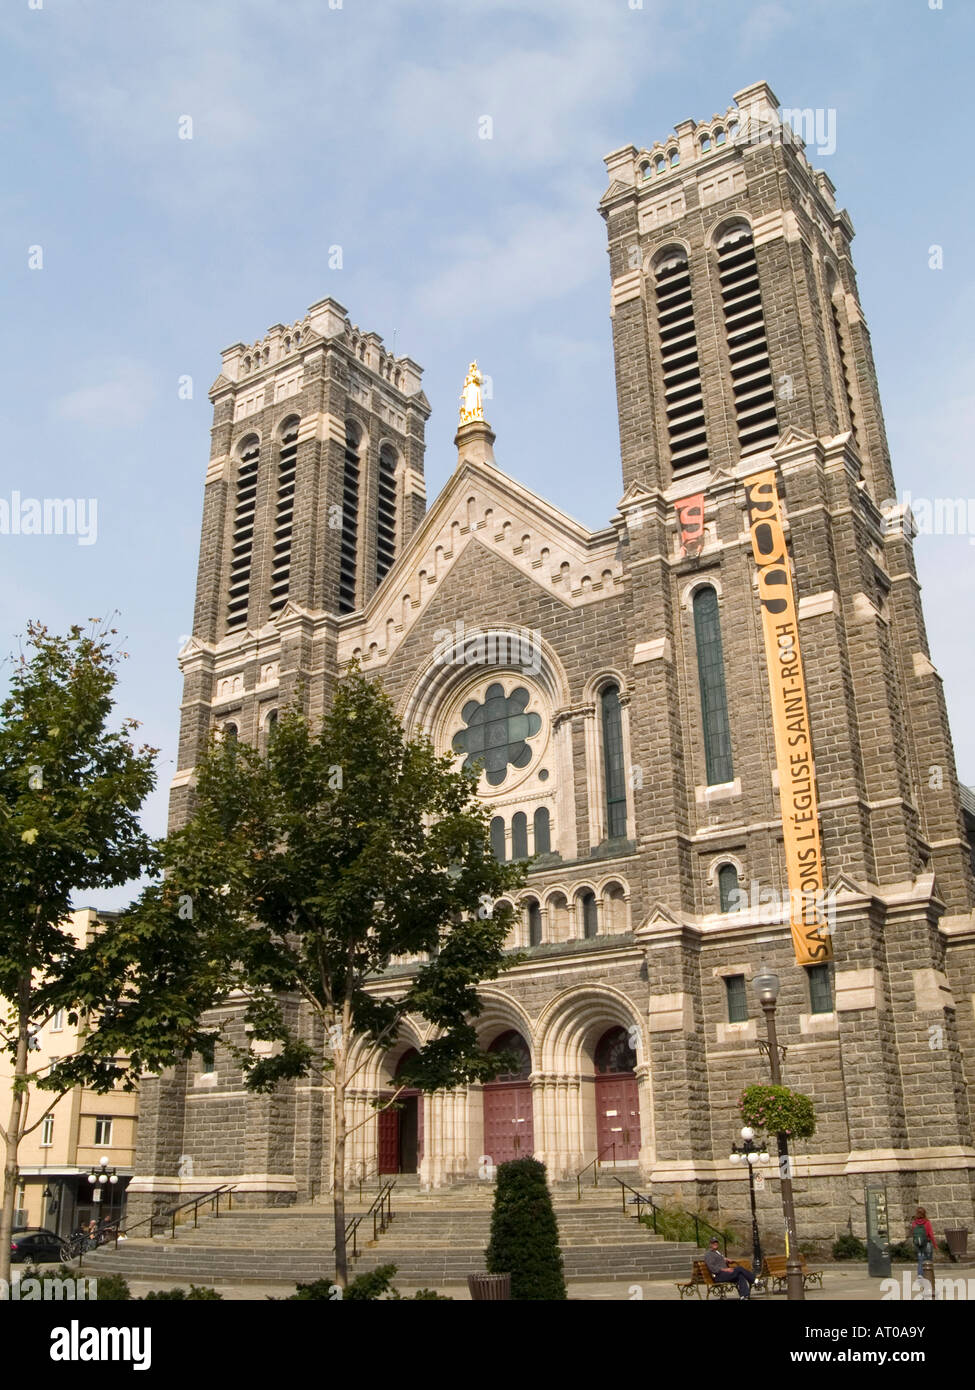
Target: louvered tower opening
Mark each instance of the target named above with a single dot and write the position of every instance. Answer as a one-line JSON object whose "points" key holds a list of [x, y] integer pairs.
{"points": [[284, 515], [844, 362], [386, 513], [751, 371], [242, 547], [348, 549], [684, 401]]}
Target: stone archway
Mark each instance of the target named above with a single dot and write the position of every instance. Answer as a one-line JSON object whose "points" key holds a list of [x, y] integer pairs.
{"points": [[567, 1036]]}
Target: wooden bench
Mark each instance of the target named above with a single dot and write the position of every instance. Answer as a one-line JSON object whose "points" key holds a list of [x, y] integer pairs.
{"points": [[774, 1271], [702, 1278]]}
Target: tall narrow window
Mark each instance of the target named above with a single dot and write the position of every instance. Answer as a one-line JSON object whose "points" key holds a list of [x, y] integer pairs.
{"points": [[284, 515], [497, 839], [714, 698], [242, 546], [103, 1132], [519, 835], [684, 401], [348, 550], [844, 363], [47, 1131], [728, 889], [590, 915], [615, 777], [543, 835], [737, 998], [208, 1053], [534, 924], [820, 989], [386, 514], [751, 371]]}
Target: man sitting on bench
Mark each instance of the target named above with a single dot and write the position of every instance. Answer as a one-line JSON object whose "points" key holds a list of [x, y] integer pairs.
{"points": [[724, 1273]]}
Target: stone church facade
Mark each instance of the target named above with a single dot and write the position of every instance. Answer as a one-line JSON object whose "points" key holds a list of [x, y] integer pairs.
{"points": [[613, 685]]}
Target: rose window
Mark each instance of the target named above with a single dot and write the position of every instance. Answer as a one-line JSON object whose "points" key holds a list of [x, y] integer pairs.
{"points": [[496, 733]]}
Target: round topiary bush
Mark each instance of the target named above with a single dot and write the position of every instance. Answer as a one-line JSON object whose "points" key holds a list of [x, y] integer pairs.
{"points": [[524, 1232], [778, 1110], [849, 1247]]}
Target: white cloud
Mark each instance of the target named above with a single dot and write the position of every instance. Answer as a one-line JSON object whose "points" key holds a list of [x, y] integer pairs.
{"points": [[119, 397]]}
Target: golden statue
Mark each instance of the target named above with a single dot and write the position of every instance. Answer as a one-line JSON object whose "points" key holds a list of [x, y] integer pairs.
{"points": [[470, 402]]}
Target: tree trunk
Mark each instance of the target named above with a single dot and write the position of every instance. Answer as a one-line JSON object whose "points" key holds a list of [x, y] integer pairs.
{"points": [[338, 1163], [11, 1167]]}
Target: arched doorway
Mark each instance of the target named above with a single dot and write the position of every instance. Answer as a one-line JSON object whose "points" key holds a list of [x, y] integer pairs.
{"points": [[617, 1096], [509, 1131], [400, 1136]]}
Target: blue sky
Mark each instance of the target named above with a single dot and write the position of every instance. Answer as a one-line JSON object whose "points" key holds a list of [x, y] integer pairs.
{"points": [[358, 126]]}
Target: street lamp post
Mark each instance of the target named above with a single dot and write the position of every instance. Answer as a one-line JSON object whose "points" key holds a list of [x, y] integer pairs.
{"points": [[767, 985], [99, 1176], [750, 1153]]}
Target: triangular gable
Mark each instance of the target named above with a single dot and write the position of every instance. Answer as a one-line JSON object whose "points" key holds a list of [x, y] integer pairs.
{"points": [[481, 503]]}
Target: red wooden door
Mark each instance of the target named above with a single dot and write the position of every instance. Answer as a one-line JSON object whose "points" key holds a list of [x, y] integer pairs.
{"points": [[618, 1115], [508, 1129], [388, 1141]]}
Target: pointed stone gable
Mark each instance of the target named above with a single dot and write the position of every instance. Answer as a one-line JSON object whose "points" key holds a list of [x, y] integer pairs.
{"points": [[482, 507]]}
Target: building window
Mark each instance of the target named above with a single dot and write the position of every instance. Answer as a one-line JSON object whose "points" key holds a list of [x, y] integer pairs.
{"points": [[844, 364], [284, 515], [683, 396], [820, 989], [705, 143], [103, 1132], [497, 839], [47, 1132], [737, 997], [612, 719], [543, 833], [229, 733], [348, 548], [728, 888], [534, 924], [208, 1056], [496, 732], [590, 915], [519, 835], [751, 371], [386, 514], [614, 1053], [242, 545], [714, 699], [57, 1021]]}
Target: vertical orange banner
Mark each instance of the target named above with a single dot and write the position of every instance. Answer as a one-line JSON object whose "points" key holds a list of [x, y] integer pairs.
{"points": [[790, 722], [690, 519]]}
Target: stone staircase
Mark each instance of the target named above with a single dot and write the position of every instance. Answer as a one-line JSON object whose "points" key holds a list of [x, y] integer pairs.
{"points": [[435, 1238]]}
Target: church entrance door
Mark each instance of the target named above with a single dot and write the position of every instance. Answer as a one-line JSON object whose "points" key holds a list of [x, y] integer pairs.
{"points": [[617, 1097], [508, 1124]]}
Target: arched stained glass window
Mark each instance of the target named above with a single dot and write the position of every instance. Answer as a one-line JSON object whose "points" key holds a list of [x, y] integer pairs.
{"points": [[714, 698], [497, 839], [614, 1053], [543, 834], [513, 1042], [615, 777], [519, 835], [534, 924], [728, 888], [590, 915]]}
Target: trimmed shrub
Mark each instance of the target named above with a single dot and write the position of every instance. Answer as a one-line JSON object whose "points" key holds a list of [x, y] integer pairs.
{"points": [[849, 1247], [524, 1233], [112, 1288], [198, 1294]]}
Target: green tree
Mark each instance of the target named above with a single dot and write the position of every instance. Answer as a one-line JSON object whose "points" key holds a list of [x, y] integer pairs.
{"points": [[524, 1232], [70, 792], [343, 846]]}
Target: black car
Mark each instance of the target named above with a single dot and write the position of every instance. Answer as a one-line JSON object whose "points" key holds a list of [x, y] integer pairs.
{"points": [[36, 1246]]}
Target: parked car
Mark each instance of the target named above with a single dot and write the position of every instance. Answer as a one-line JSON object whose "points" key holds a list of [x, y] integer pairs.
{"points": [[34, 1245]]}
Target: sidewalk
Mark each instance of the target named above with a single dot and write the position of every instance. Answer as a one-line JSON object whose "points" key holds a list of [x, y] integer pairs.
{"points": [[846, 1283]]}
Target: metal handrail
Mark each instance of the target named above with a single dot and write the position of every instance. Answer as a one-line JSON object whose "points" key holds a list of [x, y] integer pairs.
{"points": [[643, 1199], [110, 1228], [381, 1212], [594, 1165]]}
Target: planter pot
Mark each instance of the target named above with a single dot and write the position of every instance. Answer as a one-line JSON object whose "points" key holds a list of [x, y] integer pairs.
{"points": [[489, 1286], [957, 1243]]}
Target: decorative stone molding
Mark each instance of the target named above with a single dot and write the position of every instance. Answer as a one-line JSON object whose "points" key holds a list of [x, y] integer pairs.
{"points": [[810, 1024], [932, 992], [815, 604], [657, 650], [858, 989], [737, 1032], [670, 1013]]}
